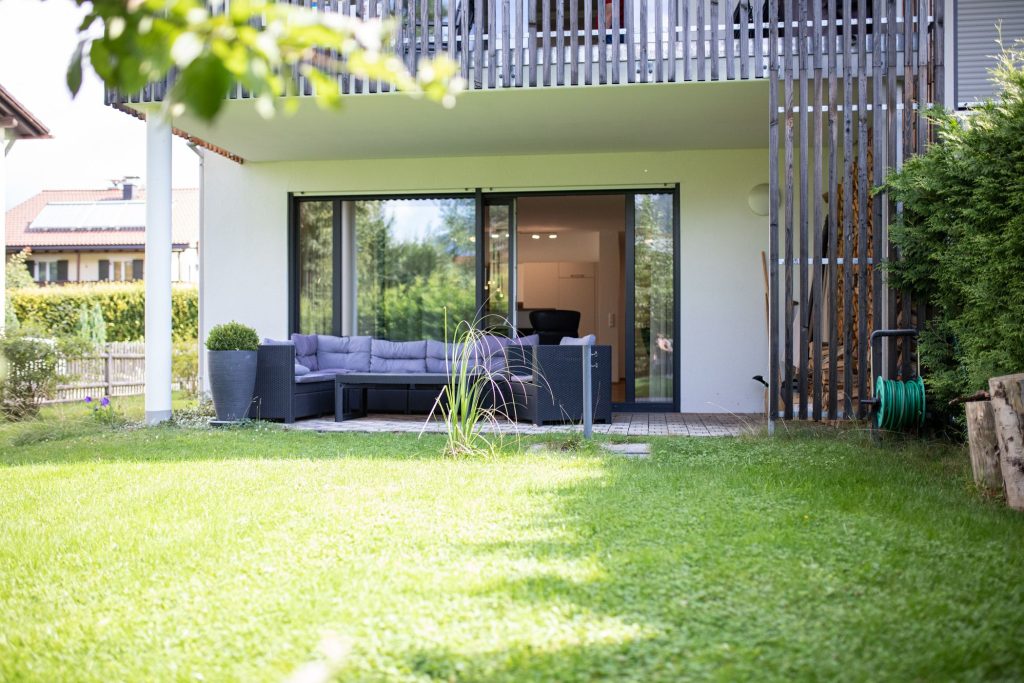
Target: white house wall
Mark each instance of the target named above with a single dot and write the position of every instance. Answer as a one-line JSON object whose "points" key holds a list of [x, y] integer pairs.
{"points": [[723, 342]]}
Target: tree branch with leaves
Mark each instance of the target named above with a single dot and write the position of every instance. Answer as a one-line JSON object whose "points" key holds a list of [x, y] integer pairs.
{"points": [[265, 47]]}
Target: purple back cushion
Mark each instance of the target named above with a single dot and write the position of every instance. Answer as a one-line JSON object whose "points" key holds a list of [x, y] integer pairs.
{"points": [[528, 340], [491, 350], [389, 356], [440, 356], [343, 353], [305, 350]]}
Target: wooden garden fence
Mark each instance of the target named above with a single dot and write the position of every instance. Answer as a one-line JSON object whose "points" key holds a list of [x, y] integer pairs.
{"points": [[118, 370]]}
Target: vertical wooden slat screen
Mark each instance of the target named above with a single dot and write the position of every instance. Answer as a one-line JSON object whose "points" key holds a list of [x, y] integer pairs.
{"points": [[773, 211], [871, 104], [588, 34], [892, 68], [803, 311], [878, 202], [714, 39], [908, 141], [532, 41], [490, 40], [629, 23], [673, 38], [464, 28], [685, 20], [616, 42], [642, 34], [757, 18], [701, 38], [787, 56], [730, 44], [574, 46], [506, 43], [847, 208], [560, 42], [744, 42], [477, 77], [862, 209], [833, 212], [661, 42], [545, 20], [817, 242]]}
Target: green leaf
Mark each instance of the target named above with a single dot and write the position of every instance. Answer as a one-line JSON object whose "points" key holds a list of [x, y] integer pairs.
{"points": [[203, 86], [74, 76]]}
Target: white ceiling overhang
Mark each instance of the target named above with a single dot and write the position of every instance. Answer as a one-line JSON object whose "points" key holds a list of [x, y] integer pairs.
{"points": [[628, 117]]}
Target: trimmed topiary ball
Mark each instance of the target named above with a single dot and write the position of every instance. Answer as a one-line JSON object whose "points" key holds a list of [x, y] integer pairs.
{"points": [[232, 336]]}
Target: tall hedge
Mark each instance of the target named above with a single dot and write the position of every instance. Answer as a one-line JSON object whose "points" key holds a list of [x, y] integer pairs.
{"points": [[962, 240], [55, 310]]}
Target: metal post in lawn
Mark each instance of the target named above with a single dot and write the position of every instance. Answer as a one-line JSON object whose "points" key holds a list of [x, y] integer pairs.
{"points": [[588, 417]]}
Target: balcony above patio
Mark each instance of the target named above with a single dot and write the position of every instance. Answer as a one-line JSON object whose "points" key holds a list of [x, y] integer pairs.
{"points": [[516, 44]]}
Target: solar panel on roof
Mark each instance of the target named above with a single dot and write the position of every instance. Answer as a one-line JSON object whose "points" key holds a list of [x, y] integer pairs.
{"points": [[103, 215]]}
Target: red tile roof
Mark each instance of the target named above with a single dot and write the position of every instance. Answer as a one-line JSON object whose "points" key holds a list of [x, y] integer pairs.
{"points": [[184, 221]]}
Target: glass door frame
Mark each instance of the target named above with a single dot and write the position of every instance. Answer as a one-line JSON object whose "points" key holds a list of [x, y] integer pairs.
{"points": [[630, 404], [629, 195], [483, 201]]}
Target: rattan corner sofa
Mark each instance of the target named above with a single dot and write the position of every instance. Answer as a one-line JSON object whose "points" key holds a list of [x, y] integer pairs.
{"points": [[296, 379]]}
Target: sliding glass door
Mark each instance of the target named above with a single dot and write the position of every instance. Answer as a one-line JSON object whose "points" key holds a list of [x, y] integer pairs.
{"points": [[496, 292], [651, 311]]}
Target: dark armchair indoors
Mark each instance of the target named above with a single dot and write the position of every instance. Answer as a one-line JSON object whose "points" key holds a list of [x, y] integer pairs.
{"points": [[553, 324]]}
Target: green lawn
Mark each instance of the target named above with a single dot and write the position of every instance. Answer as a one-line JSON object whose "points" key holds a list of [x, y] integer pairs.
{"points": [[176, 554]]}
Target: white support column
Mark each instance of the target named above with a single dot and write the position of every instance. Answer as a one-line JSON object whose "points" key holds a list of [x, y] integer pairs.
{"points": [[158, 270], [3, 228]]}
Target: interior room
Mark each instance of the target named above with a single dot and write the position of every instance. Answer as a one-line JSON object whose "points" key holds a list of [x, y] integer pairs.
{"points": [[571, 255]]}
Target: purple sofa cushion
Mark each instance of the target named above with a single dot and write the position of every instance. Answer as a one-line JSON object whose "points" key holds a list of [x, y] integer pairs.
{"points": [[305, 350], [528, 340], [389, 356], [301, 370], [343, 353], [441, 356], [490, 351]]}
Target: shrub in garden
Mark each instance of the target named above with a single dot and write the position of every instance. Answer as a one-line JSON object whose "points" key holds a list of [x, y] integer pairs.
{"points": [[92, 328], [16, 276], [55, 311], [185, 365], [961, 239], [232, 336], [28, 374]]}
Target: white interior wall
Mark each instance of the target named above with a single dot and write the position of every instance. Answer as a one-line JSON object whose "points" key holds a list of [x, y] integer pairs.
{"points": [[723, 340]]}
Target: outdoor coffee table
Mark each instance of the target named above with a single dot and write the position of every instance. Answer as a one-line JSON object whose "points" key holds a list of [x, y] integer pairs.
{"points": [[381, 380]]}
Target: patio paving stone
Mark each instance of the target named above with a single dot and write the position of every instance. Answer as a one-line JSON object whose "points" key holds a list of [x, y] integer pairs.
{"points": [[623, 424]]}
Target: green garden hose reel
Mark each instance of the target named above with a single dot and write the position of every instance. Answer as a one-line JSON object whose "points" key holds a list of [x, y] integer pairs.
{"points": [[897, 403]]}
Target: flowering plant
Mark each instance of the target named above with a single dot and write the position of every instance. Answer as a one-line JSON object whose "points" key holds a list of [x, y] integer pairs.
{"points": [[103, 410]]}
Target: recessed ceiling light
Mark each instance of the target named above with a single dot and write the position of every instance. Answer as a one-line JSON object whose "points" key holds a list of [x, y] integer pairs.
{"points": [[552, 236], [536, 237]]}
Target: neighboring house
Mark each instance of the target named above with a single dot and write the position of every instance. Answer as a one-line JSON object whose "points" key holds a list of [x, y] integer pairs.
{"points": [[99, 235], [692, 175], [16, 123], [979, 23]]}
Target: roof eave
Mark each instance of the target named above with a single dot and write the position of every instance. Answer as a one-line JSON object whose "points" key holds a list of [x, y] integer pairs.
{"points": [[26, 125]]}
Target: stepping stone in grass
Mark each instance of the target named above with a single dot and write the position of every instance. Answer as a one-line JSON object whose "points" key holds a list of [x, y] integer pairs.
{"points": [[629, 450]]}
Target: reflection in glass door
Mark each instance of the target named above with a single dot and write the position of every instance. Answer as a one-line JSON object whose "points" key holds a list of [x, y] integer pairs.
{"points": [[651, 377], [497, 308]]}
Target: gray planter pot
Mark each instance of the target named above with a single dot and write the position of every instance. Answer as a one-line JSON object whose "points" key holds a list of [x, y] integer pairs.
{"points": [[232, 380]]}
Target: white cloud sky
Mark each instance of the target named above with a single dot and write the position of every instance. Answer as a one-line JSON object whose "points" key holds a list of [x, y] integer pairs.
{"points": [[92, 143]]}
